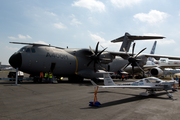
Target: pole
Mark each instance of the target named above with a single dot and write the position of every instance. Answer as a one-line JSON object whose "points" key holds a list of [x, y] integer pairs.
{"points": [[16, 76], [16, 82]]}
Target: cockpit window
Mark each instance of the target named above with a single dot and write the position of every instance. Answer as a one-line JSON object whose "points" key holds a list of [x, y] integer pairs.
{"points": [[22, 49], [33, 50], [141, 81], [28, 50], [147, 81], [152, 80]]}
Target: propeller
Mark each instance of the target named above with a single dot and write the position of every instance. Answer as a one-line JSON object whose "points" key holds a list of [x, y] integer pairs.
{"points": [[96, 57], [133, 60]]}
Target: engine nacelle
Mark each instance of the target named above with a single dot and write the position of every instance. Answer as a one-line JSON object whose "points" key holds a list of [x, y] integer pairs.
{"points": [[156, 71], [106, 58]]}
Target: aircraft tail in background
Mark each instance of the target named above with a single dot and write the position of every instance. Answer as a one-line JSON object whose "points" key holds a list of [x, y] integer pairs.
{"points": [[152, 51], [153, 48], [127, 39]]}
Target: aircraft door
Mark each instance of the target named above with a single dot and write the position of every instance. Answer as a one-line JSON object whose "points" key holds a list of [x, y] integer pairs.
{"points": [[53, 65], [108, 67]]}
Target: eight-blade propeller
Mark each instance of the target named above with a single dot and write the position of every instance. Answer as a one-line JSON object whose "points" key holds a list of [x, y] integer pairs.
{"points": [[134, 61], [96, 57]]}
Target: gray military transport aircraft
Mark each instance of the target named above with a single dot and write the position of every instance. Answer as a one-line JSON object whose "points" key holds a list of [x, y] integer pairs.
{"points": [[77, 64]]}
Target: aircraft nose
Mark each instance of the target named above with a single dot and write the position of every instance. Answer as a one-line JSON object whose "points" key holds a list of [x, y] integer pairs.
{"points": [[15, 60]]}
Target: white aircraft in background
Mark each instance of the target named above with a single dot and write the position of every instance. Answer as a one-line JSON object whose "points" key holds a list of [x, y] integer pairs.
{"points": [[151, 84], [154, 67]]}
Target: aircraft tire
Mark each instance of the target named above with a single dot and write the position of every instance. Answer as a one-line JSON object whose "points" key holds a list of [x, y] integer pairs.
{"points": [[75, 79], [35, 80]]}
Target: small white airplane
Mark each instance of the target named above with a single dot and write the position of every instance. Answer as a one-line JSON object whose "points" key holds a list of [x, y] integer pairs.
{"points": [[151, 84]]}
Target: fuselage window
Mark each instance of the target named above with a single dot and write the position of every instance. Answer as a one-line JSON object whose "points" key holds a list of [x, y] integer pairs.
{"points": [[28, 50], [33, 50]]}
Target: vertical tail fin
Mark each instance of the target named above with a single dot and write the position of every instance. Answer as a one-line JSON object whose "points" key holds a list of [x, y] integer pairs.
{"points": [[107, 80], [152, 52], [126, 43], [153, 48]]}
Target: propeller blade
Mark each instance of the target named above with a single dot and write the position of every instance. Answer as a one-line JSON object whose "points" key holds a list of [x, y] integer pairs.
{"points": [[96, 51], [101, 52], [140, 52], [126, 52], [133, 49], [140, 67], [125, 66], [91, 50], [94, 66], [133, 71], [101, 66], [102, 46], [89, 63]]}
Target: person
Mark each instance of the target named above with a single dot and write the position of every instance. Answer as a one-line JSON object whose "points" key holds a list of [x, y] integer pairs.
{"points": [[122, 77], [46, 76], [126, 76], [177, 79], [41, 76], [50, 77]]}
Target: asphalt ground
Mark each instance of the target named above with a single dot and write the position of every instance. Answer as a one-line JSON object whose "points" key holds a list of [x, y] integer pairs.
{"points": [[70, 101]]}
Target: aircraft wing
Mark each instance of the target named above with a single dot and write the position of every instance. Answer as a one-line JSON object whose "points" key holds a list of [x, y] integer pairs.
{"points": [[147, 67], [124, 55], [129, 86], [35, 44], [157, 57], [125, 86]]}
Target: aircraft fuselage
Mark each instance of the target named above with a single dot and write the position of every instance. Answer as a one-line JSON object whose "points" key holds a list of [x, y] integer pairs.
{"points": [[62, 62]]}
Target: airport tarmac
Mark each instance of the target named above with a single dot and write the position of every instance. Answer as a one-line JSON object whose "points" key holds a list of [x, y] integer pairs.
{"points": [[70, 101]]}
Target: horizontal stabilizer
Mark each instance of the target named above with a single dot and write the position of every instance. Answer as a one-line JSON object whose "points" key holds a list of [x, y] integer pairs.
{"points": [[134, 37]]}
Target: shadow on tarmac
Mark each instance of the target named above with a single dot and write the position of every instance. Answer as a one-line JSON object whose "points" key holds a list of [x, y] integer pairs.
{"points": [[128, 100]]}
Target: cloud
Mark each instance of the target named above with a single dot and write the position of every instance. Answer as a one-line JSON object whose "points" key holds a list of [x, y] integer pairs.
{"points": [[12, 38], [60, 25], [124, 3], [92, 5], [103, 42], [152, 34], [20, 37], [74, 21], [166, 42], [29, 37], [50, 13], [97, 38], [153, 16], [12, 48]]}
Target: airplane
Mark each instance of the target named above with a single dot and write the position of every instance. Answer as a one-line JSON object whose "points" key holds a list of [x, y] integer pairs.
{"points": [[151, 84], [77, 64], [150, 65], [154, 69]]}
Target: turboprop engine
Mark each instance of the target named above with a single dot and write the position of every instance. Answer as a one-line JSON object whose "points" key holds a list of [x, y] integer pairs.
{"points": [[156, 71], [106, 58]]}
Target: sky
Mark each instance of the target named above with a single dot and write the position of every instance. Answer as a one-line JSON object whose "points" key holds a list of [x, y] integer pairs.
{"points": [[82, 23]]}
